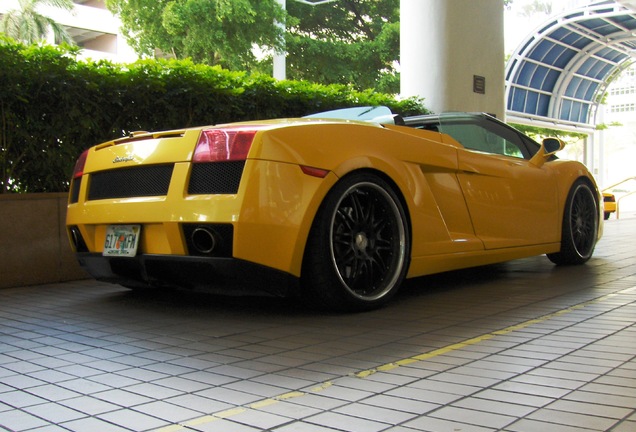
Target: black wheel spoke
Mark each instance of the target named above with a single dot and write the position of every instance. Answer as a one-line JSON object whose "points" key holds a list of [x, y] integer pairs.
{"points": [[365, 226], [582, 221]]}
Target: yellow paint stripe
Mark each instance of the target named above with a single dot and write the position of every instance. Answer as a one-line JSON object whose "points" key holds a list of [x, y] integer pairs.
{"points": [[393, 365], [172, 428], [201, 420], [290, 395], [263, 403], [230, 412], [322, 386]]}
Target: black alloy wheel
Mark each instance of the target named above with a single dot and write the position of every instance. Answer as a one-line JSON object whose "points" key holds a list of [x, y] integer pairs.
{"points": [[359, 247], [580, 226]]}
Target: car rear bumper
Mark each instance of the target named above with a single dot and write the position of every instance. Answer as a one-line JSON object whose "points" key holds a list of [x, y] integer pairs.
{"points": [[227, 276]]}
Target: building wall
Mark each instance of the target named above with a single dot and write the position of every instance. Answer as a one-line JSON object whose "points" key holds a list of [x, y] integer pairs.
{"points": [[93, 27], [618, 141], [35, 248]]}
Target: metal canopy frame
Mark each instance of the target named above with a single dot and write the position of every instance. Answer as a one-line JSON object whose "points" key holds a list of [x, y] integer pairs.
{"points": [[560, 72]]}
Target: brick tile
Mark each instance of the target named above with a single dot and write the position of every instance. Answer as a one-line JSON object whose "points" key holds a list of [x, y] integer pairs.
{"points": [[259, 419], [626, 426], [20, 421], [346, 423], [431, 424], [375, 413], [89, 405], [445, 387], [610, 390], [496, 407], [590, 409], [55, 413], [290, 410], [400, 404], [473, 417], [518, 398], [526, 425], [601, 399], [431, 396], [199, 403], [532, 389], [572, 419], [122, 397], [132, 420], [228, 395], [167, 411]]}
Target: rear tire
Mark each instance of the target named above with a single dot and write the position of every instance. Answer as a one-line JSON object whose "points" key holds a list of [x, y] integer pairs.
{"points": [[580, 226], [358, 249]]}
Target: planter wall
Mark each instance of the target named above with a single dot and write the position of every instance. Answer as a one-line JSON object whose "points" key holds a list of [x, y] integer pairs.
{"points": [[34, 248]]}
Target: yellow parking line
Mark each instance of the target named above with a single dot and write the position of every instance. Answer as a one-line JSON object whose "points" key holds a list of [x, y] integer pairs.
{"points": [[390, 366]]}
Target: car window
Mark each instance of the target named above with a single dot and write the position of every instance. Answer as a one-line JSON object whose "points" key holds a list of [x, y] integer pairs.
{"points": [[475, 137], [478, 133]]}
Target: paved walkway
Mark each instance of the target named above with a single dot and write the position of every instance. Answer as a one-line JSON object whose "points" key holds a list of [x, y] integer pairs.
{"points": [[522, 346]]}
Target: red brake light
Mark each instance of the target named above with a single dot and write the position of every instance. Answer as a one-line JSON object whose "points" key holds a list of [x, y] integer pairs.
{"points": [[78, 171], [224, 144], [314, 172]]}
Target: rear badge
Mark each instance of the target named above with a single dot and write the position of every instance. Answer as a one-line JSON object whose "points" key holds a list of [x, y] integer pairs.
{"points": [[119, 159]]}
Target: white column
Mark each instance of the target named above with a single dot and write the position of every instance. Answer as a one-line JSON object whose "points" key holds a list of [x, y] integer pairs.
{"points": [[280, 58], [445, 45]]}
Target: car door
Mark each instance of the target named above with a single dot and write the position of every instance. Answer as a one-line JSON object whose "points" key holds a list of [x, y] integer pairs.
{"points": [[511, 202]]}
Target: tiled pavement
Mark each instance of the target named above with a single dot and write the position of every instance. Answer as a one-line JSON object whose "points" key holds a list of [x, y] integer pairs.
{"points": [[522, 346]]}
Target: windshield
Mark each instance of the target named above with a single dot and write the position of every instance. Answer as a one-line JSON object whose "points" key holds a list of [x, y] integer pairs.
{"points": [[379, 114]]}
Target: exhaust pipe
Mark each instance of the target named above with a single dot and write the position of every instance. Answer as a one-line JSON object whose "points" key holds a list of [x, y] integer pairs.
{"points": [[77, 239], [203, 240]]}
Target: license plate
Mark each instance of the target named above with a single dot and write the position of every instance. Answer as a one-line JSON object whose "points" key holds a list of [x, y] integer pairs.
{"points": [[121, 240]]}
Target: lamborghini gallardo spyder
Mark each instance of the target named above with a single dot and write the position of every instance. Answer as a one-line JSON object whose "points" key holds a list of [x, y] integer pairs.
{"points": [[338, 208]]}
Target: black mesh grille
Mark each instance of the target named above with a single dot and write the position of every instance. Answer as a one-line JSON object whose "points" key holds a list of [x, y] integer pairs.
{"points": [[216, 177], [152, 180]]}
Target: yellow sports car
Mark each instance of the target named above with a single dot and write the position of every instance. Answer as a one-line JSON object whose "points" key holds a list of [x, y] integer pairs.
{"points": [[609, 204], [338, 207]]}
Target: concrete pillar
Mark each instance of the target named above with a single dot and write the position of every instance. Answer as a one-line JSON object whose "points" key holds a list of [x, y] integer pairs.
{"points": [[452, 54], [280, 57]]}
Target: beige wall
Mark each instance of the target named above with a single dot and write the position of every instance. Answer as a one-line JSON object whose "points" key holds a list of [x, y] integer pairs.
{"points": [[34, 248]]}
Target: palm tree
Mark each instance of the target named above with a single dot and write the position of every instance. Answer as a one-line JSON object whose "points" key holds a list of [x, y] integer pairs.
{"points": [[27, 25]]}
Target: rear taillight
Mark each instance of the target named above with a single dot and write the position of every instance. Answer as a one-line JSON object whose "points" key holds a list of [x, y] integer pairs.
{"points": [[225, 144], [78, 171]]}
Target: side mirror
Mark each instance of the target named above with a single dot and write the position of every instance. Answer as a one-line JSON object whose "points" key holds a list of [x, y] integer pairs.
{"points": [[552, 145], [549, 146]]}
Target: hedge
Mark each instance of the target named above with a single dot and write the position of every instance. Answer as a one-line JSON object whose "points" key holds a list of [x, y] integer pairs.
{"points": [[53, 106]]}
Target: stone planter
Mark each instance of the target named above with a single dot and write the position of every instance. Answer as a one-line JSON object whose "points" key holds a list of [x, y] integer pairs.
{"points": [[34, 248]]}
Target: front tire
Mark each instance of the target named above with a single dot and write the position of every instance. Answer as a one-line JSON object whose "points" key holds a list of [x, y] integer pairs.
{"points": [[358, 249], [580, 226]]}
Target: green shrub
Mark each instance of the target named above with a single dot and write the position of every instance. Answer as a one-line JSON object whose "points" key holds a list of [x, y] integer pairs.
{"points": [[52, 106]]}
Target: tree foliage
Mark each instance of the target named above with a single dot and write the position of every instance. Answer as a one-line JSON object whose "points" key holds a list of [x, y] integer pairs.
{"points": [[536, 7], [214, 32], [347, 41], [351, 42], [539, 133], [27, 25]]}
